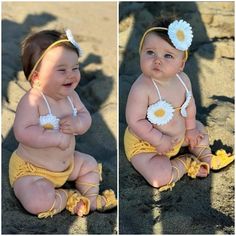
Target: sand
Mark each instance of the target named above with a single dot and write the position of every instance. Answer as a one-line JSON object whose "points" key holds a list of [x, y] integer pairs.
{"points": [[94, 26]]}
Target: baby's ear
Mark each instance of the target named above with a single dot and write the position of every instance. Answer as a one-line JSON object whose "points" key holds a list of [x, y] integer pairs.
{"points": [[35, 75], [182, 65], [35, 78]]}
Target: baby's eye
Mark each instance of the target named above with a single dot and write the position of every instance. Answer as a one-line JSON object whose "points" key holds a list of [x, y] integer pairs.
{"points": [[150, 53], [62, 70], [75, 68], [168, 56]]}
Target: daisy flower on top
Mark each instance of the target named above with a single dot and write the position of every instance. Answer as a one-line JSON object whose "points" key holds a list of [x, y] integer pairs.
{"points": [[160, 113], [180, 34]]}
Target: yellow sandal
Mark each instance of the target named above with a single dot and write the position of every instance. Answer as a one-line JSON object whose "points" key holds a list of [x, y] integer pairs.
{"points": [[108, 196], [218, 161], [73, 198], [192, 166]]}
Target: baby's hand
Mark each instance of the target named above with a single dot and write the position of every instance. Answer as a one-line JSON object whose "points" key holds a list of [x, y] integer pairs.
{"points": [[193, 137], [68, 124], [166, 145], [64, 142]]}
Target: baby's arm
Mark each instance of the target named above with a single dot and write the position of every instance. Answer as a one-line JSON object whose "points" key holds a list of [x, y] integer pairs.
{"points": [[26, 125], [76, 124], [193, 136], [136, 110]]}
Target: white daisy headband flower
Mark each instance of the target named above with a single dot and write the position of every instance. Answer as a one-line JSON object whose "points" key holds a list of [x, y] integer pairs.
{"points": [[179, 32], [73, 42], [70, 39]]}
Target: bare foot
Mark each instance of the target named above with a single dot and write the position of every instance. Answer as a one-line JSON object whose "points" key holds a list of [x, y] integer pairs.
{"points": [[202, 172], [80, 208]]}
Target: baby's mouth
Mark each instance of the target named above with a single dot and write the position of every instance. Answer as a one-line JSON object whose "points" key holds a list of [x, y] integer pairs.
{"points": [[67, 84]]}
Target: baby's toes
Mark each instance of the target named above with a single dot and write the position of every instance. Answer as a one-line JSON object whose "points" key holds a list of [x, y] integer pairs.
{"points": [[80, 208], [202, 172]]}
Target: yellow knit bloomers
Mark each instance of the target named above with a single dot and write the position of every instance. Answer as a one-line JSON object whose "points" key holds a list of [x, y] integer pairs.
{"points": [[133, 146], [19, 168]]}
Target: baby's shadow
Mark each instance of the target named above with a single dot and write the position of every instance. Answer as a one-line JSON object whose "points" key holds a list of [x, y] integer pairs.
{"points": [[12, 36]]}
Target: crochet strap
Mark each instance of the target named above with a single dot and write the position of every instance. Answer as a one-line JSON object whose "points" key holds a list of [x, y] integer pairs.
{"points": [[50, 213], [90, 185], [109, 198]]}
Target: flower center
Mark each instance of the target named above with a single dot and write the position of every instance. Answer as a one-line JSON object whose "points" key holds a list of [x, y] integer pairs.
{"points": [[160, 113], [180, 35], [48, 126]]}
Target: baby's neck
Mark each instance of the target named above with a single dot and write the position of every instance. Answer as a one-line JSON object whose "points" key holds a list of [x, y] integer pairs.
{"points": [[164, 81], [51, 96]]}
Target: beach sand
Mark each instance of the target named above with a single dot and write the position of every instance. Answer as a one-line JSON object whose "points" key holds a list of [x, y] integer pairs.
{"points": [[194, 206], [94, 26]]}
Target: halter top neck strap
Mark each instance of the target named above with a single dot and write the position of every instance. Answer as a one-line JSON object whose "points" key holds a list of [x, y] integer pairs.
{"points": [[46, 101], [158, 91], [69, 99]]}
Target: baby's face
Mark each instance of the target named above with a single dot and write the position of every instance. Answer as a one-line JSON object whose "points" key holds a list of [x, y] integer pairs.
{"points": [[59, 72], [159, 60]]}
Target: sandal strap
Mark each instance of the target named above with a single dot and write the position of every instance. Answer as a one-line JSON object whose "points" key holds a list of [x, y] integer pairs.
{"points": [[168, 186], [50, 213], [192, 165], [90, 185], [109, 198], [99, 171], [177, 171], [204, 147]]}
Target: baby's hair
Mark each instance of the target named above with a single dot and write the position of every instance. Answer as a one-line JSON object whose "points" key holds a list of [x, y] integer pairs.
{"points": [[35, 44], [162, 22]]}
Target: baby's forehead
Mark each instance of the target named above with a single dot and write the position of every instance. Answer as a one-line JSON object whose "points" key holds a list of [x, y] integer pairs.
{"points": [[153, 39]]}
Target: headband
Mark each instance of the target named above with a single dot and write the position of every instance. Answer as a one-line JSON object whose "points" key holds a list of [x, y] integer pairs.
{"points": [[70, 39], [179, 32]]}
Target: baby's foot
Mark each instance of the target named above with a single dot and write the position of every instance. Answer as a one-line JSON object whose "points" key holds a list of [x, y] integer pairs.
{"points": [[80, 209], [203, 172], [77, 204]]}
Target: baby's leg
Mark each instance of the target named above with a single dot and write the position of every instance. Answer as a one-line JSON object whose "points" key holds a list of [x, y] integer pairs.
{"points": [[86, 176], [159, 170], [38, 196]]}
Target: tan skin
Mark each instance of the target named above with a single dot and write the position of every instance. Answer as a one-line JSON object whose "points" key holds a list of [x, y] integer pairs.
{"points": [[161, 62], [54, 150]]}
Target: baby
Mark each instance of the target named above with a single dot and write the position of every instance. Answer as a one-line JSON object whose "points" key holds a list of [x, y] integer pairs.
{"points": [[161, 112], [47, 119]]}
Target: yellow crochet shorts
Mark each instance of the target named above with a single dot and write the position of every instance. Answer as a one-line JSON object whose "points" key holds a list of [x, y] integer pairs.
{"points": [[19, 168], [133, 146]]}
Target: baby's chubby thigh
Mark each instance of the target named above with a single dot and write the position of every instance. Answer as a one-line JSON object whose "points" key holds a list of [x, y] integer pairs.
{"points": [[156, 169], [83, 164], [35, 193]]}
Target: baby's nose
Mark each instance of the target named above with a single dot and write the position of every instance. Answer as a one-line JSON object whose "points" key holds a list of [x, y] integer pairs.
{"points": [[158, 60]]}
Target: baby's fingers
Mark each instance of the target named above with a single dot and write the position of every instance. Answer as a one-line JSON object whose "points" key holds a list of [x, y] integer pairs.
{"points": [[174, 141], [192, 143]]}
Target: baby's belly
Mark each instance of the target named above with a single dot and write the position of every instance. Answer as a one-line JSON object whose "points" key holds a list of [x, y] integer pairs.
{"points": [[175, 128], [53, 159]]}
